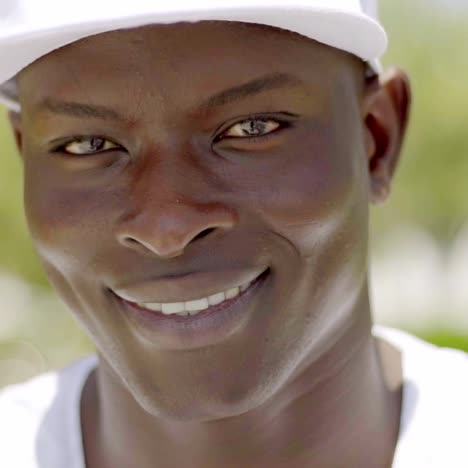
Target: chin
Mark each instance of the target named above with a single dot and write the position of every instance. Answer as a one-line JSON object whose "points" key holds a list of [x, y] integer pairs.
{"points": [[209, 401]]}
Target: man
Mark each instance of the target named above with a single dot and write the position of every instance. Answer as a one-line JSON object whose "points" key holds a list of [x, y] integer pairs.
{"points": [[197, 182]]}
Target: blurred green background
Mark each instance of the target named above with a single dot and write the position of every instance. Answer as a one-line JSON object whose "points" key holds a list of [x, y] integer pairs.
{"points": [[422, 228]]}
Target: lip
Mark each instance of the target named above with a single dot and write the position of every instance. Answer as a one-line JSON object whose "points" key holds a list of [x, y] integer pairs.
{"points": [[206, 328], [187, 287]]}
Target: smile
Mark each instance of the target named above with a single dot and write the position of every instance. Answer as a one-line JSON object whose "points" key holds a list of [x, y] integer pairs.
{"points": [[190, 308], [193, 323]]}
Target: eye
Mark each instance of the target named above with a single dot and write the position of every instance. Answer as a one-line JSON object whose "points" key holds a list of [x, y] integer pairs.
{"points": [[88, 145], [254, 127]]}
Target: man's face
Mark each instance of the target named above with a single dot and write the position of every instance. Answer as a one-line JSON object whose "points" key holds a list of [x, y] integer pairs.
{"points": [[199, 184]]}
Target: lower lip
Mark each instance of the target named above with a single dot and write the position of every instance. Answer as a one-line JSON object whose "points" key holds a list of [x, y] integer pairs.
{"points": [[206, 328]]}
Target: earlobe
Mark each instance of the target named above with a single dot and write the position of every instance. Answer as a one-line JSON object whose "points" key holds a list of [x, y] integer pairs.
{"points": [[386, 110], [17, 127]]}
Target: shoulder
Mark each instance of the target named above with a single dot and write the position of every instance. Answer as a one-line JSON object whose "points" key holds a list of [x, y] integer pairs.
{"points": [[438, 374], [37, 416], [425, 361], [23, 408], [435, 407]]}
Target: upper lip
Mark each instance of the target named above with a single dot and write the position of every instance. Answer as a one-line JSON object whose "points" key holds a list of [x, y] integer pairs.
{"points": [[187, 287]]}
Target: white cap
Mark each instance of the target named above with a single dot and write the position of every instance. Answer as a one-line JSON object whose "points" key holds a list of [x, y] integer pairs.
{"points": [[30, 29]]}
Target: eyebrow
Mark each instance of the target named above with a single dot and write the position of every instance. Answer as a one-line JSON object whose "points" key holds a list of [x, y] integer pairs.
{"points": [[79, 110], [251, 88]]}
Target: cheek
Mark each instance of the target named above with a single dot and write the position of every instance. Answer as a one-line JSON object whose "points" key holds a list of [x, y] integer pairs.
{"points": [[67, 223], [318, 192]]}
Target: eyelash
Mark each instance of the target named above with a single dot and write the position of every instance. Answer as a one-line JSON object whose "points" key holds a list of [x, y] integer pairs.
{"points": [[283, 124], [60, 149]]}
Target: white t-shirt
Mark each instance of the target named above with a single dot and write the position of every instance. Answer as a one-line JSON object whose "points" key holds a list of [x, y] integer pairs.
{"points": [[40, 419]]}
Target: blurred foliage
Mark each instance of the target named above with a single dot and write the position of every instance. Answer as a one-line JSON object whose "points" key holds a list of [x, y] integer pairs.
{"points": [[444, 338], [16, 251], [431, 186]]}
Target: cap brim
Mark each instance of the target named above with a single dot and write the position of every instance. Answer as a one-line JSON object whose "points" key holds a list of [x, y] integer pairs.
{"points": [[355, 33]]}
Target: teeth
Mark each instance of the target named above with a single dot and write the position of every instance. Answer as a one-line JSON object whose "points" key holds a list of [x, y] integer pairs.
{"points": [[190, 308], [232, 293], [216, 299], [173, 308], [244, 287]]}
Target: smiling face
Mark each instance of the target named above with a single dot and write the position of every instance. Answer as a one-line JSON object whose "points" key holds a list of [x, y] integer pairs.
{"points": [[171, 163]]}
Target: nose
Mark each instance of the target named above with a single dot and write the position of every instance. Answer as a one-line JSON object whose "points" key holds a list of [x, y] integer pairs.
{"points": [[164, 222]]}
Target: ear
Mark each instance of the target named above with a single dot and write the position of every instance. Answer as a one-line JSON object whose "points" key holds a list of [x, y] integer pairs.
{"points": [[387, 104], [17, 127]]}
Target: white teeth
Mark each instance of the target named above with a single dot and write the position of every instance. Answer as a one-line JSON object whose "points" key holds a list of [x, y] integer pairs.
{"points": [[245, 287], [216, 299], [193, 306], [190, 308], [232, 293], [173, 308]]}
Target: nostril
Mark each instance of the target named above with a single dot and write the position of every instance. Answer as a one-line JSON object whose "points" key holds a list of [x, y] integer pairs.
{"points": [[203, 234], [129, 241]]}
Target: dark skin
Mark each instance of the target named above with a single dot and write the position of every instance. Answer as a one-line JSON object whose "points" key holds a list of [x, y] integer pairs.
{"points": [[181, 190]]}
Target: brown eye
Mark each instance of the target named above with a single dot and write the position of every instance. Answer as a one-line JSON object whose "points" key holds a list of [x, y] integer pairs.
{"points": [[89, 145], [251, 128]]}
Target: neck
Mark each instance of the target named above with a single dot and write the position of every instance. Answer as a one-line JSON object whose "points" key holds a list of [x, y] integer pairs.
{"points": [[348, 417]]}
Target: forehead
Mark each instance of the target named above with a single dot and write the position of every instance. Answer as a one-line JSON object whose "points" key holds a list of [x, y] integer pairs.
{"points": [[170, 59]]}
